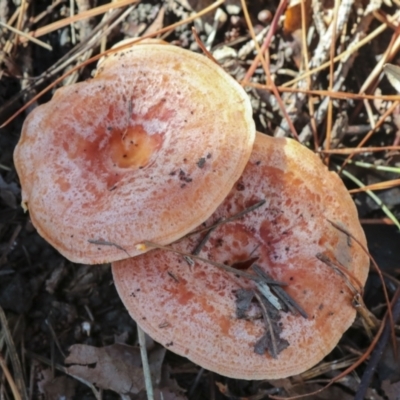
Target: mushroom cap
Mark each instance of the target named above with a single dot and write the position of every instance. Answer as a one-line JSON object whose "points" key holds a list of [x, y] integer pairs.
{"points": [[192, 309], [145, 151]]}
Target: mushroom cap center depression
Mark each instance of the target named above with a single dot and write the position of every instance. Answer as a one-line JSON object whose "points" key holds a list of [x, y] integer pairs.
{"points": [[129, 141]]}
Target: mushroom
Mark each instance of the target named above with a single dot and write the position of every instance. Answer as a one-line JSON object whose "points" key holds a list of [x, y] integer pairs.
{"points": [[144, 151], [201, 312]]}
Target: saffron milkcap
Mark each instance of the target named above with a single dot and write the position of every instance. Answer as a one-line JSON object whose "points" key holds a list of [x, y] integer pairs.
{"points": [[146, 150], [191, 307]]}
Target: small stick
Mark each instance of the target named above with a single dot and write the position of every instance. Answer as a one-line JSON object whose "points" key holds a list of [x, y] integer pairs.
{"points": [[173, 276], [268, 324], [203, 241], [291, 304], [202, 47], [378, 271], [224, 267], [339, 270], [105, 243], [145, 363], [240, 214]]}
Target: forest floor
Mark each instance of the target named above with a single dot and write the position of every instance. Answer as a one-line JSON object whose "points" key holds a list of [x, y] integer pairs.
{"points": [[48, 304]]}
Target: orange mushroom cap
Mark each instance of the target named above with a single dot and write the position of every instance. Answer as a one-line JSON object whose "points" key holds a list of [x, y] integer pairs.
{"points": [[192, 309], [145, 151]]}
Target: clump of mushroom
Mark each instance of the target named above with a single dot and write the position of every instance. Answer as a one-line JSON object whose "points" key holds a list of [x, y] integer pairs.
{"points": [[144, 151], [212, 316]]}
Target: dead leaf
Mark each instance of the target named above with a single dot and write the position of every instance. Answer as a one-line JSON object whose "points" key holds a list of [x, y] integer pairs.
{"points": [[389, 365], [392, 390], [115, 367], [168, 394], [56, 388], [169, 386]]}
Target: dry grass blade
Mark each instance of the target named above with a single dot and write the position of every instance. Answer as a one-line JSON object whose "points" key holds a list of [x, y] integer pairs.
{"points": [[360, 150], [265, 60], [145, 363], [377, 186], [337, 94], [385, 168], [382, 119], [367, 40], [371, 194], [26, 36], [326, 367], [227, 268], [15, 362], [114, 18], [78, 17], [390, 53], [116, 49], [9, 378], [331, 78]]}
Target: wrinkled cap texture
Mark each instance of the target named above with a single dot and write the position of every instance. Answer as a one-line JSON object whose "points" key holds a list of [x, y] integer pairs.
{"points": [[145, 151], [191, 309]]}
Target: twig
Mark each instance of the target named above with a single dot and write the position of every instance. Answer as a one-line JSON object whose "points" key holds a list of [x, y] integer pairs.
{"points": [[203, 241], [378, 351], [105, 243], [268, 325], [234, 217], [224, 267]]}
